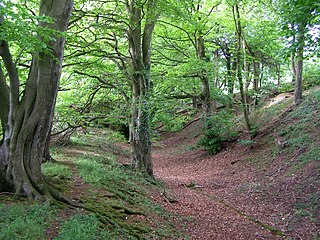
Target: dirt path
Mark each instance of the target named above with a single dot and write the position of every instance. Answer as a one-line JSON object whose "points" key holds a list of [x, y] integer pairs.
{"points": [[206, 190]]}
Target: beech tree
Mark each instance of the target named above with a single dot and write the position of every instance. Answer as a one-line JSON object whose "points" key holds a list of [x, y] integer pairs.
{"points": [[139, 37], [27, 119], [297, 19]]}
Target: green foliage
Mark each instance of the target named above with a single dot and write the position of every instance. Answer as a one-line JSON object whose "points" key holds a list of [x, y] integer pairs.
{"points": [[25, 32], [20, 221], [313, 154], [311, 75], [170, 122], [82, 227], [219, 128], [286, 87]]}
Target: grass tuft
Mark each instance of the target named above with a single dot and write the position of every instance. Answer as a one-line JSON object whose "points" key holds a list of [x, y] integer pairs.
{"points": [[56, 170], [83, 227], [20, 221]]}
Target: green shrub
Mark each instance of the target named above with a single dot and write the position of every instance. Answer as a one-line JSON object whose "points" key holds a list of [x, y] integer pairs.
{"points": [[286, 87], [218, 128], [311, 76]]}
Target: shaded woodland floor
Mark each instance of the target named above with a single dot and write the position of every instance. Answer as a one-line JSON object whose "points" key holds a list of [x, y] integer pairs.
{"points": [[253, 191]]}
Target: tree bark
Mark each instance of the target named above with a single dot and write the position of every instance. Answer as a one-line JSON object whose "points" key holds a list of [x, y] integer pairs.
{"points": [[299, 66], [30, 122], [256, 74], [4, 102], [279, 74], [140, 52], [205, 86], [236, 16], [230, 78], [293, 56]]}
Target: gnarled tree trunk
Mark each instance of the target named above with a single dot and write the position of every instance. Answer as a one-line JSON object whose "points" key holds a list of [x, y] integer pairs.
{"points": [[29, 118]]}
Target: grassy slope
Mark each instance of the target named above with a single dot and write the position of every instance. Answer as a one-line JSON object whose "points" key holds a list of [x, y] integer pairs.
{"points": [[115, 197]]}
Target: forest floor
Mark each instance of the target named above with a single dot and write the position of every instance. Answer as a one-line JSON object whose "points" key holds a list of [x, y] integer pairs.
{"points": [[268, 188], [254, 191]]}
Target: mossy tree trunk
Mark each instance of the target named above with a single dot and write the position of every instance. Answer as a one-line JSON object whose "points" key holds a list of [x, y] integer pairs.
{"points": [[29, 117], [140, 35]]}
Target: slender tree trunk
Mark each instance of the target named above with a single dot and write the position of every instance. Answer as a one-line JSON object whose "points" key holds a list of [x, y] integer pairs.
{"points": [[236, 16], [279, 74], [261, 74], [299, 66], [230, 77], [256, 75], [293, 66], [246, 67], [29, 123], [293, 57], [216, 76], [229, 72]]}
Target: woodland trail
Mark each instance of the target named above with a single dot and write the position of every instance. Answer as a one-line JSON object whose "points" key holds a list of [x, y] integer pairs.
{"points": [[206, 189]]}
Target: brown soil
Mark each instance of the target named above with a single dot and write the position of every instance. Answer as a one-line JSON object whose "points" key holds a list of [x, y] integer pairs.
{"points": [[228, 196]]}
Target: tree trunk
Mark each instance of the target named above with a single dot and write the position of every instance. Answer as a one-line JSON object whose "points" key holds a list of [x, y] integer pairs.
{"points": [[29, 125], [236, 16], [205, 85], [299, 66], [230, 78], [216, 77], [140, 52], [4, 102], [279, 74], [293, 66], [256, 75], [293, 56], [141, 140], [46, 152]]}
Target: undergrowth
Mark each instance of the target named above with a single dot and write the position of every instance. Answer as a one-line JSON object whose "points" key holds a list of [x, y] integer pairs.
{"points": [[84, 227], [122, 196], [301, 132], [23, 221], [115, 199], [218, 128]]}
